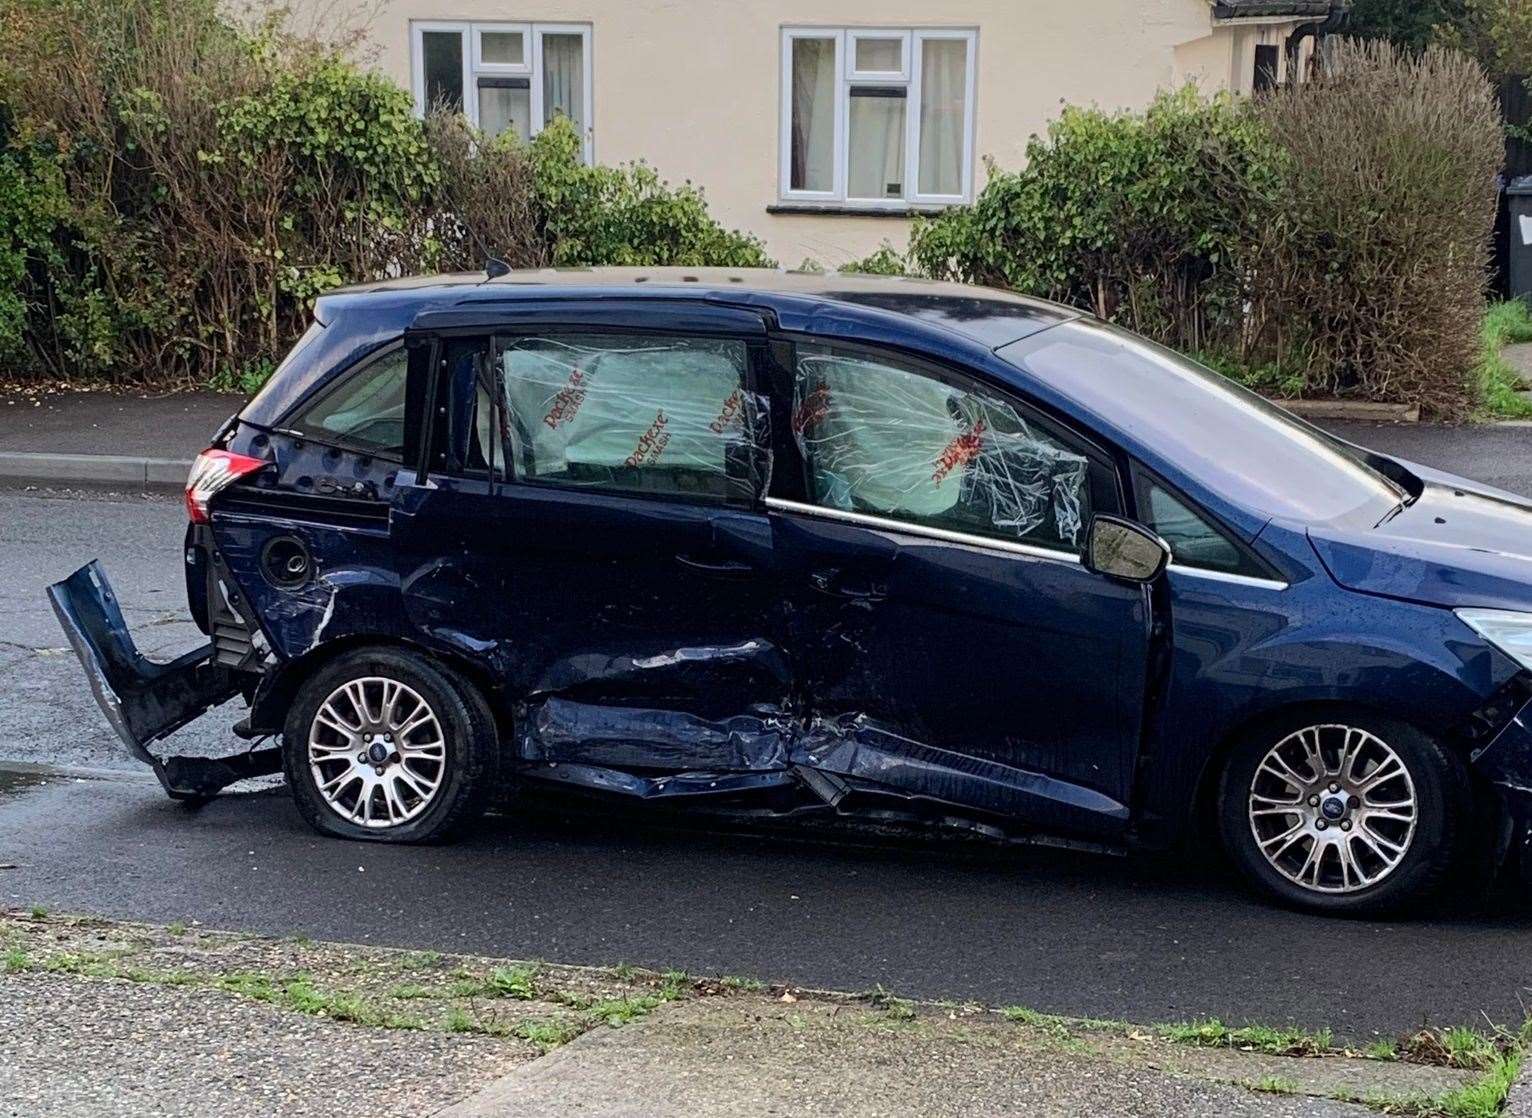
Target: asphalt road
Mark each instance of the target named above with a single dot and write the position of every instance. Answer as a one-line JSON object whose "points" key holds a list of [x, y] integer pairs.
{"points": [[1146, 940]]}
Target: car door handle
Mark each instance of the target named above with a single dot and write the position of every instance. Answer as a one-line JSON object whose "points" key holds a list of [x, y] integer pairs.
{"points": [[840, 585], [714, 566]]}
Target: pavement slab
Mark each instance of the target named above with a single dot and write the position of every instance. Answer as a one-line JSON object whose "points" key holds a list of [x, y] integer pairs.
{"points": [[724, 1058], [97, 1049]]}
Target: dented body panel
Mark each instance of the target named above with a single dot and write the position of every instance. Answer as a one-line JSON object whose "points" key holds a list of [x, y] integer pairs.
{"points": [[778, 643]]}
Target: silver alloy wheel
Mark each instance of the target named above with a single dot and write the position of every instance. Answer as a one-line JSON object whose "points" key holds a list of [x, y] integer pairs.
{"points": [[1333, 808], [376, 752]]}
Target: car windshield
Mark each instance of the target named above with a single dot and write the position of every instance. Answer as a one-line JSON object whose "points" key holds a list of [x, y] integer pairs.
{"points": [[1234, 441]]}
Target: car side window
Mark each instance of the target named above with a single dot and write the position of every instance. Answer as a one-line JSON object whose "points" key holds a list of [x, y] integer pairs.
{"points": [[1193, 540], [366, 410], [888, 439], [637, 413]]}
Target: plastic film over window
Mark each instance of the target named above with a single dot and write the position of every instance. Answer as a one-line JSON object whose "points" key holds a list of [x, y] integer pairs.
{"points": [[889, 441], [636, 413]]}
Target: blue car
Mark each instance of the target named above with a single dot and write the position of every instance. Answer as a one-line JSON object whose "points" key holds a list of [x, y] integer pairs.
{"points": [[781, 545]]}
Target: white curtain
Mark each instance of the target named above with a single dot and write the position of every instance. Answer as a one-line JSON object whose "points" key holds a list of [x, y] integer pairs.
{"points": [[813, 123], [505, 108], [943, 88], [876, 144], [564, 78]]}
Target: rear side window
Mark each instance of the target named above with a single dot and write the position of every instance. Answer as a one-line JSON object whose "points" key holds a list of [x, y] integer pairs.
{"points": [[365, 411], [885, 439], [636, 413]]}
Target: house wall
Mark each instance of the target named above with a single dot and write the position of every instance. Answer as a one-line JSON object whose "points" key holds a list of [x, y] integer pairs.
{"points": [[693, 86]]}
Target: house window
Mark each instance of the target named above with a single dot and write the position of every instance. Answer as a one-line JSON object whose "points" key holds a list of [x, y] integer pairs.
{"points": [[877, 119], [1267, 63], [505, 77]]}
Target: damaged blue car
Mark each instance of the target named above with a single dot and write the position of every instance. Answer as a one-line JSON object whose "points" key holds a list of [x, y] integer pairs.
{"points": [[792, 545]]}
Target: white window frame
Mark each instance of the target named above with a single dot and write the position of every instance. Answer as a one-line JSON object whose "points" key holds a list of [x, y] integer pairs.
{"points": [[478, 30], [532, 67], [854, 36], [846, 77]]}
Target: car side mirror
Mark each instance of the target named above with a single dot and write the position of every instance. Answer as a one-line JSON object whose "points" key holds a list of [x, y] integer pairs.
{"points": [[1122, 549]]}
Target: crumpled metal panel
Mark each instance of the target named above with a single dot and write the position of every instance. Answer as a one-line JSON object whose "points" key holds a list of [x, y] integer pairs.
{"points": [[852, 746], [644, 738], [886, 441]]}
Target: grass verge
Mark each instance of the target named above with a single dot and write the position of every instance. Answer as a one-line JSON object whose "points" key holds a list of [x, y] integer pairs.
{"points": [[1499, 383]]}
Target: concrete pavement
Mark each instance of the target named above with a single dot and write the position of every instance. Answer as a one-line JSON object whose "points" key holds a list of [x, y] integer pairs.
{"points": [[181, 1021]]}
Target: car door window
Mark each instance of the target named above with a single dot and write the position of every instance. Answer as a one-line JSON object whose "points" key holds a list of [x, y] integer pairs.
{"points": [[887, 439], [638, 413], [365, 410]]}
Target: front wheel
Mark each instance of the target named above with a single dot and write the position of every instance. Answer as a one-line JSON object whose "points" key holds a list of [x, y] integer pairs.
{"points": [[1353, 814], [382, 744]]}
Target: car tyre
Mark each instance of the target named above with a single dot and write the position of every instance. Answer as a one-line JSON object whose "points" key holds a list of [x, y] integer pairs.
{"points": [[411, 735], [1274, 808]]}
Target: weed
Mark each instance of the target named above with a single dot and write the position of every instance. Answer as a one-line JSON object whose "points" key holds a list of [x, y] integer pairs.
{"points": [[1484, 1097], [256, 986], [674, 984], [15, 960], [409, 991], [420, 960], [1274, 1085], [623, 972], [741, 985], [1212, 1033], [548, 1034], [1382, 1050], [513, 982], [1468, 1048], [176, 927], [620, 1011], [1046, 1022], [38, 912], [894, 1008]]}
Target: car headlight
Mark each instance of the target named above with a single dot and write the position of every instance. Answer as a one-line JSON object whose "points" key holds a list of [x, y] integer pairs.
{"points": [[1507, 630]]}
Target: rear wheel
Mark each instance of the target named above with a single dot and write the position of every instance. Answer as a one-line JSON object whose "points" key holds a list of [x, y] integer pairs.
{"points": [[1350, 814], [382, 744]]}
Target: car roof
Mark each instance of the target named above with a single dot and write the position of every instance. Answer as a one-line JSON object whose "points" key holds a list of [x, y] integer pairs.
{"points": [[987, 316]]}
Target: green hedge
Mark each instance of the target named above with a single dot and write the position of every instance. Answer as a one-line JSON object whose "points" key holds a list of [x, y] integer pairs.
{"points": [[175, 190], [1330, 239]]}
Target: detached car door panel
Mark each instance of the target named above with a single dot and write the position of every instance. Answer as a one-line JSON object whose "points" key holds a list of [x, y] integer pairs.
{"points": [[952, 645]]}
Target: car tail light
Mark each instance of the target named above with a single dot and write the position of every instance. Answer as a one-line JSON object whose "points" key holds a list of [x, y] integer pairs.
{"points": [[213, 472]]}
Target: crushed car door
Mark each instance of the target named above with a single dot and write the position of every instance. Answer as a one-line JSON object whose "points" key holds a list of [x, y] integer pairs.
{"points": [[953, 648], [600, 542]]}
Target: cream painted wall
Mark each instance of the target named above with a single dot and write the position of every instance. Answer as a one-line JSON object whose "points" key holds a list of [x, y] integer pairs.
{"points": [[693, 86]]}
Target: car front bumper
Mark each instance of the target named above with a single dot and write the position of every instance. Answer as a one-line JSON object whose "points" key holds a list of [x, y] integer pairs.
{"points": [[1506, 763]]}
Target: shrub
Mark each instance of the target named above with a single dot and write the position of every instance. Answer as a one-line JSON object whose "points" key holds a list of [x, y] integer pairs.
{"points": [[486, 201], [1326, 239], [627, 215], [32, 201], [1134, 216], [884, 261], [215, 181], [1382, 258], [177, 189]]}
